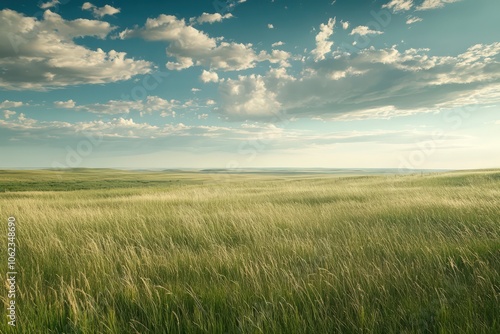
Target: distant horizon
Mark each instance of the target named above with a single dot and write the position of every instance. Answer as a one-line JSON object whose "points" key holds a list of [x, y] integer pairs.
{"points": [[247, 169]]}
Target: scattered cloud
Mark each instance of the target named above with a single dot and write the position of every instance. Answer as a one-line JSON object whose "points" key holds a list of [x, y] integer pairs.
{"points": [[8, 113], [280, 43], [49, 4], [248, 97], [117, 129], [399, 5], [124, 131], [41, 54], [433, 4], [65, 104], [100, 12], [10, 104], [211, 18], [345, 24], [192, 47], [364, 30], [323, 44], [270, 26], [207, 77], [413, 19], [375, 83], [406, 5], [148, 106]]}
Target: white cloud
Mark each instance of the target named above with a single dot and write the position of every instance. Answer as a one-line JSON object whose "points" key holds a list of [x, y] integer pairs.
{"points": [[195, 90], [253, 96], [399, 5], [49, 4], [433, 4], [279, 57], [270, 26], [406, 5], [364, 30], [207, 76], [115, 107], [8, 113], [41, 54], [192, 47], [280, 43], [127, 133], [345, 24], [23, 118], [323, 45], [157, 104], [100, 12], [10, 104], [212, 18], [374, 83], [248, 96], [116, 128], [65, 104], [112, 107], [413, 19]]}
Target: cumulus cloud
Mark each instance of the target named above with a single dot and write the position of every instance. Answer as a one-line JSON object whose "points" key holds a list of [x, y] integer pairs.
{"points": [[280, 43], [248, 97], [8, 113], [65, 104], [270, 26], [100, 12], [211, 18], [364, 30], [10, 104], [323, 44], [192, 47], [253, 96], [207, 76], [376, 83], [345, 24], [50, 4], [41, 54]]}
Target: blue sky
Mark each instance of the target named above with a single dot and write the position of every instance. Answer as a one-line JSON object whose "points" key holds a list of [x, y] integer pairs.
{"points": [[255, 83]]}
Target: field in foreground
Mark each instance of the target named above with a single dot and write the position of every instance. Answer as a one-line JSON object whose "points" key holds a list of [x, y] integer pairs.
{"points": [[125, 252]]}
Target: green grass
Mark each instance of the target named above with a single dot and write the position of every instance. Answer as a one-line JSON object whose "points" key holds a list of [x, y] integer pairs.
{"points": [[126, 252]]}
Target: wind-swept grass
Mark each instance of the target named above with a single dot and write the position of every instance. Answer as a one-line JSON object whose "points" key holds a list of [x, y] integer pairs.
{"points": [[257, 254]]}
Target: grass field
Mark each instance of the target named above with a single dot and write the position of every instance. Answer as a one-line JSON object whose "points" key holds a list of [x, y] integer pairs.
{"points": [[101, 251]]}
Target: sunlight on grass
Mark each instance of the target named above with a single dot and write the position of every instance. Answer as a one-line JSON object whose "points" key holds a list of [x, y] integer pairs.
{"points": [[257, 254]]}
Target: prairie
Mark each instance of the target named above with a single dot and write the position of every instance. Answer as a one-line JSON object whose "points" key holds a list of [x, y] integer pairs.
{"points": [[104, 251]]}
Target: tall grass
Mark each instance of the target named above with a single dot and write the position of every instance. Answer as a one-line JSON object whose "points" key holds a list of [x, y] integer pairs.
{"points": [[258, 254]]}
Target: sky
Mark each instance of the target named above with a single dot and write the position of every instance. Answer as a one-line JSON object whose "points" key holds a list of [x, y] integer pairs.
{"points": [[408, 84]]}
